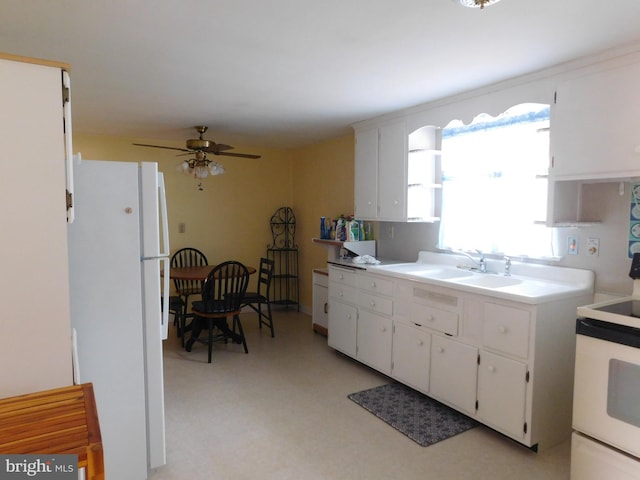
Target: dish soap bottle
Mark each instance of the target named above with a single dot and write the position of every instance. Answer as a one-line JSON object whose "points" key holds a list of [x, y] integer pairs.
{"points": [[354, 230]]}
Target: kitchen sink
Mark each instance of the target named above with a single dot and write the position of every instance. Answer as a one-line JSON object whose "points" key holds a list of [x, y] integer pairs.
{"points": [[423, 270], [445, 274], [488, 280]]}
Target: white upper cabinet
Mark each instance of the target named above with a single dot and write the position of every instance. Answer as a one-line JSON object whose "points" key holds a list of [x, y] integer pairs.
{"points": [[397, 173], [595, 125], [392, 168], [366, 174]]}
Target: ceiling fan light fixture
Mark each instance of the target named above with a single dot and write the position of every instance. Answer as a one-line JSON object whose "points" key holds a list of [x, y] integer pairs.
{"points": [[215, 169], [476, 3]]}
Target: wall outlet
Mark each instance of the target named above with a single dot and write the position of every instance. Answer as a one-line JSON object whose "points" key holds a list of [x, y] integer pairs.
{"points": [[182, 227], [593, 247], [572, 245]]}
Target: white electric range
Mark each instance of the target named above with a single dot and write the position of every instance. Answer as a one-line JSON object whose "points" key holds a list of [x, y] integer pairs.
{"points": [[606, 400]]}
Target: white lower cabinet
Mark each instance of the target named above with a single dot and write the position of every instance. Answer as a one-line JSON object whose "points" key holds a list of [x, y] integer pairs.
{"points": [[320, 317], [504, 363], [454, 367], [375, 324], [411, 355], [343, 320], [343, 314], [374, 341], [502, 386]]}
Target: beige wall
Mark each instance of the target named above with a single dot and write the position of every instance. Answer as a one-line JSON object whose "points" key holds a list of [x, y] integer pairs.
{"points": [[229, 219], [322, 186]]}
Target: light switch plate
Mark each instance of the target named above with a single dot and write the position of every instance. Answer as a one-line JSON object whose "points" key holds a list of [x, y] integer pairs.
{"points": [[572, 245]]}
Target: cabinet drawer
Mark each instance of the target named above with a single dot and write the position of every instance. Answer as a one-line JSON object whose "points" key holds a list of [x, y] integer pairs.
{"points": [[440, 320], [343, 292], [376, 285], [342, 275], [506, 329], [375, 303], [443, 299]]}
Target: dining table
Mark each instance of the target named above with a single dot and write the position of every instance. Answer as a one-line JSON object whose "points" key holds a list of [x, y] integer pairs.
{"points": [[200, 273]]}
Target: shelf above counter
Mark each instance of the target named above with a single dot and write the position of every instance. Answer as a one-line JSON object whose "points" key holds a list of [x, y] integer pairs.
{"points": [[364, 247]]}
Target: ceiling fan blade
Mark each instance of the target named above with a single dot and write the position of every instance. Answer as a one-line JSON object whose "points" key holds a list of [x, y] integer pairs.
{"points": [[160, 146], [243, 155], [215, 148]]}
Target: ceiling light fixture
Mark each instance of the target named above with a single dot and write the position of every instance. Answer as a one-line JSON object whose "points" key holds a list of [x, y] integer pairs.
{"points": [[200, 167], [476, 3]]}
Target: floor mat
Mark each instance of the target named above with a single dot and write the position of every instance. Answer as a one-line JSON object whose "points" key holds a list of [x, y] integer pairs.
{"points": [[422, 419]]}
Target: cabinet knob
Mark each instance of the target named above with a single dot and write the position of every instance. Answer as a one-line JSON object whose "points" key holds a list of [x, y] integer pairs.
{"points": [[369, 203], [341, 277], [395, 202], [373, 304], [420, 343], [440, 350], [431, 318], [341, 293], [349, 316], [502, 329], [384, 329], [491, 368], [373, 284]]}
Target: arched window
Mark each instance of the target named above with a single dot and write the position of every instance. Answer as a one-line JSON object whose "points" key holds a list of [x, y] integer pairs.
{"points": [[494, 183]]}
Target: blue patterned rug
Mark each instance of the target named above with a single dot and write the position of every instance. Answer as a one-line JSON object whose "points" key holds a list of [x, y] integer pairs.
{"points": [[422, 419]]}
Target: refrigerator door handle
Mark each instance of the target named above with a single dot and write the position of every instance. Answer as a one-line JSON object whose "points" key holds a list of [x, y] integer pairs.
{"points": [[164, 220], [164, 254], [165, 297]]}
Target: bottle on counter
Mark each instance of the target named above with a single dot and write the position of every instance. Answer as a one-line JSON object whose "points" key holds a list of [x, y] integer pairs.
{"points": [[353, 231], [341, 229], [323, 228]]}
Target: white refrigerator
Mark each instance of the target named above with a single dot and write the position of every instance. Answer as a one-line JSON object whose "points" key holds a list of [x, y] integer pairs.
{"points": [[118, 245]]}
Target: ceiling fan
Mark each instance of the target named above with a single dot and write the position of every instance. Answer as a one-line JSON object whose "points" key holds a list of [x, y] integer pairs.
{"points": [[201, 166], [204, 146]]}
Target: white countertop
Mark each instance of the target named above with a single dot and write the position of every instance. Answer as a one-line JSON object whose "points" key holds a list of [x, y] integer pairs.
{"points": [[528, 283]]}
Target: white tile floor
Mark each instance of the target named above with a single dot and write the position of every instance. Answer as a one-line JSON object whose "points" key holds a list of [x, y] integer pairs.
{"points": [[281, 412]]}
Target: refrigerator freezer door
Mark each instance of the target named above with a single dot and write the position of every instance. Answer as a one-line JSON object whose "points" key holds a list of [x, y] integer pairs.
{"points": [[106, 308]]}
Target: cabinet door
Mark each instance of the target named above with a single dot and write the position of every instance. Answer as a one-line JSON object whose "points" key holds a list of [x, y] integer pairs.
{"points": [[502, 393], [454, 368], [343, 320], [392, 171], [320, 305], [374, 340], [366, 174], [595, 127], [33, 216], [506, 329], [411, 356]]}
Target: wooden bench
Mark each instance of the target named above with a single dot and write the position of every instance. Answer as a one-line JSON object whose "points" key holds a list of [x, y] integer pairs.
{"points": [[59, 421]]}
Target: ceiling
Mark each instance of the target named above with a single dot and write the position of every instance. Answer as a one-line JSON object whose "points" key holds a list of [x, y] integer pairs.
{"points": [[288, 73]]}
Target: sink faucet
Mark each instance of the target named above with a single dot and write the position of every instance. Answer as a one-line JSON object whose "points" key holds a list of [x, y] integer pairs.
{"points": [[507, 266], [481, 262]]}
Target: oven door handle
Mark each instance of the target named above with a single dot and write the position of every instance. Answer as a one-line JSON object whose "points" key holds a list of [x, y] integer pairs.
{"points": [[610, 332]]}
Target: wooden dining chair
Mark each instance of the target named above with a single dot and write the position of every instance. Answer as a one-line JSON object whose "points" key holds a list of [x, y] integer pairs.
{"points": [[186, 257], [222, 296], [257, 299]]}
